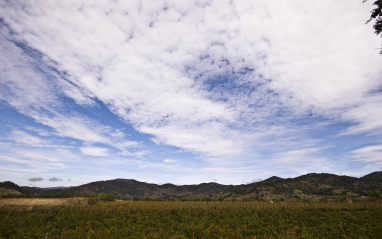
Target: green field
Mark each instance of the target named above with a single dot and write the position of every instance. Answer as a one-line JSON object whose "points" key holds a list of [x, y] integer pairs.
{"points": [[140, 219]]}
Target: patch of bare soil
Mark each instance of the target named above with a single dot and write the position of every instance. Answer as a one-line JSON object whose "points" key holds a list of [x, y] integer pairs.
{"points": [[29, 203]]}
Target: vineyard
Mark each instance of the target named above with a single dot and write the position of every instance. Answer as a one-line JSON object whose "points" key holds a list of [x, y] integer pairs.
{"points": [[175, 219]]}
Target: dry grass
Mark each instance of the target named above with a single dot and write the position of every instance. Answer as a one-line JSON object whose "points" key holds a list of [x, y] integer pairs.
{"points": [[29, 203], [6, 191]]}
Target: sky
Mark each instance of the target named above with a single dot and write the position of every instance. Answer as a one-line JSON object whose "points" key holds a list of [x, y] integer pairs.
{"points": [[187, 92]]}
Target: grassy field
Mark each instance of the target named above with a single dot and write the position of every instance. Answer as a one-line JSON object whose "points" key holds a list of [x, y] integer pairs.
{"points": [[140, 219], [30, 203]]}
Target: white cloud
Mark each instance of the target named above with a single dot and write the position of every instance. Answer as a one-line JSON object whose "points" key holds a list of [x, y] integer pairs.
{"points": [[66, 153], [34, 89], [30, 161], [25, 138], [365, 117], [369, 154], [170, 161], [39, 156], [13, 159], [220, 78], [297, 156], [94, 151], [296, 162]]}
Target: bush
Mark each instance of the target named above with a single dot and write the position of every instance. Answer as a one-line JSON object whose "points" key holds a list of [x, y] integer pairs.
{"points": [[102, 197], [375, 195], [93, 200]]}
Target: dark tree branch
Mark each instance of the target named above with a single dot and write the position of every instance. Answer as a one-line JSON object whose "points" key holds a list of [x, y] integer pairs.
{"points": [[376, 14]]}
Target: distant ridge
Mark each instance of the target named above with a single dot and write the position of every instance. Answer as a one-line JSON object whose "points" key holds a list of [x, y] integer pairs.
{"points": [[273, 179], [375, 175], [312, 185]]}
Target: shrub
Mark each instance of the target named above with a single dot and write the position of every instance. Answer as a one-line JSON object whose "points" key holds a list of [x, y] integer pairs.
{"points": [[93, 200], [375, 195]]}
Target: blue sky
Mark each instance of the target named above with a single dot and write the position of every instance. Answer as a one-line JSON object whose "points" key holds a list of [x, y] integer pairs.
{"points": [[187, 92]]}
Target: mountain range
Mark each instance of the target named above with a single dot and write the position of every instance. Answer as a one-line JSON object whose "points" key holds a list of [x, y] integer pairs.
{"points": [[309, 186]]}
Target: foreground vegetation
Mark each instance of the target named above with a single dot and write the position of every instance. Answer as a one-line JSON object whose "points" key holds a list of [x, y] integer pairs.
{"points": [[164, 219]]}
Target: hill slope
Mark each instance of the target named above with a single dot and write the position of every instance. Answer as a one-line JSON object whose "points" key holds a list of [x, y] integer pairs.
{"points": [[133, 188], [311, 185], [307, 186]]}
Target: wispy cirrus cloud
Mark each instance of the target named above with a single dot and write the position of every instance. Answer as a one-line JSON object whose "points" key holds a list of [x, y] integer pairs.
{"points": [[31, 160], [370, 154], [25, 138], [94, 151]]}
